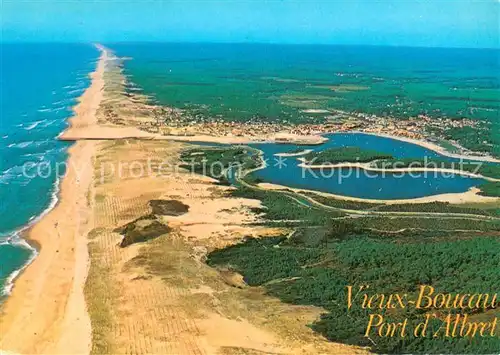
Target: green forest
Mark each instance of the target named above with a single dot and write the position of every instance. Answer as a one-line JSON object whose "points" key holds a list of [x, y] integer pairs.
{"points": [[343, 155], [478, 140], [323, 250], [214, 162], [314, 269], [490, 189]]}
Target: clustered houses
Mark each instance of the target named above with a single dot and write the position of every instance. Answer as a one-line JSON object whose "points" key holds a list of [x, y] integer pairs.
{"points": [[410, 128], [171, 121]]}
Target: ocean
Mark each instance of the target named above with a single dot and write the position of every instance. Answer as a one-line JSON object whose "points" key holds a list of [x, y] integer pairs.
{"points": [[39, 85]]}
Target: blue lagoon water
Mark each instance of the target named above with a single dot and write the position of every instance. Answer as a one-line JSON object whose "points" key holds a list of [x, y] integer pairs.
{"points": [[358, 182], [39, 85], [241, 82]]}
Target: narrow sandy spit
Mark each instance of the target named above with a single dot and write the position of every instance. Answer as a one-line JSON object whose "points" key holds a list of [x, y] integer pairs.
{"points": [[46, 312], [434, 147], [368, 167], [469, 196]]}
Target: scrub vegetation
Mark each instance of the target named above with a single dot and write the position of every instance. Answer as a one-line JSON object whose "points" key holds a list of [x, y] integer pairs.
{"points": [[343, 155], [324, 250], [214, 162], [490, 189], [308, 270]]}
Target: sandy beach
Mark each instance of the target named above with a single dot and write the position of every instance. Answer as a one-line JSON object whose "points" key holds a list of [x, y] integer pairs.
{"points": [[86, 294], [367, 167], [160, 296], [46, 311], [105, 130], [434, 147], [470, 196]]}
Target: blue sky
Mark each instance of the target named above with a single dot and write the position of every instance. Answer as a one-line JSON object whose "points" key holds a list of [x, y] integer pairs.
{"points": [[451, 23]]}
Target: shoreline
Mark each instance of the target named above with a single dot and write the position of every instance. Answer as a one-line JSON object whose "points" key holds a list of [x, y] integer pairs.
{"points": [[34, 323], [431, 146], [46, 311], [116, 132], [285, 135], [367, 167], [469, 196], [20, 237]]}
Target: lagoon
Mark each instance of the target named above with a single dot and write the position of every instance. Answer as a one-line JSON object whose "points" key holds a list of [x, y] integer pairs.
{"points": [[357, 182]]}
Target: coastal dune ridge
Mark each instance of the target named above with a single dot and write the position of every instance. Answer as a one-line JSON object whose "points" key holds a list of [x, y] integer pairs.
{"points": [[47, 310]]}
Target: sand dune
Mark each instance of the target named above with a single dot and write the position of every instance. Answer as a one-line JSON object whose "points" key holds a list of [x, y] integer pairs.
{"points": [[154, 297]]}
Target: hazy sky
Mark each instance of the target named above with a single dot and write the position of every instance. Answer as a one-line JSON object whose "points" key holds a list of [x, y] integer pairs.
{"points": [[448, 23]]}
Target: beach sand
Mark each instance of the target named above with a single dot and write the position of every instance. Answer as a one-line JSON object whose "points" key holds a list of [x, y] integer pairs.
{"points": [[469, 196], [46, 311], [84, 293], [160, 296], [368, 167], [434, 147]]}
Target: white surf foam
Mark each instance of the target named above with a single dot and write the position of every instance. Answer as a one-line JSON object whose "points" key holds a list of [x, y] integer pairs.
{"points": [[33, 125], [76, 91], [9, 281], [14, 238]]}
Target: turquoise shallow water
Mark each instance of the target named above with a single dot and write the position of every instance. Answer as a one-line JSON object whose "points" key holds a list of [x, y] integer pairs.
{"points": [[39, 85]]}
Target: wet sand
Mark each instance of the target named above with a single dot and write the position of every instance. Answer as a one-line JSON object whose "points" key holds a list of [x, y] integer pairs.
{"points": [[46, 311], [84, 293]]}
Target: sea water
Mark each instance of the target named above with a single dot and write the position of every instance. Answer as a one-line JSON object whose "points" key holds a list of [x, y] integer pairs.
{"points": [[40, 83]]}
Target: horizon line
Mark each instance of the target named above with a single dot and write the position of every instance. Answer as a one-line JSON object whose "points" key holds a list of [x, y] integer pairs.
{"points": [[2, 42]]}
